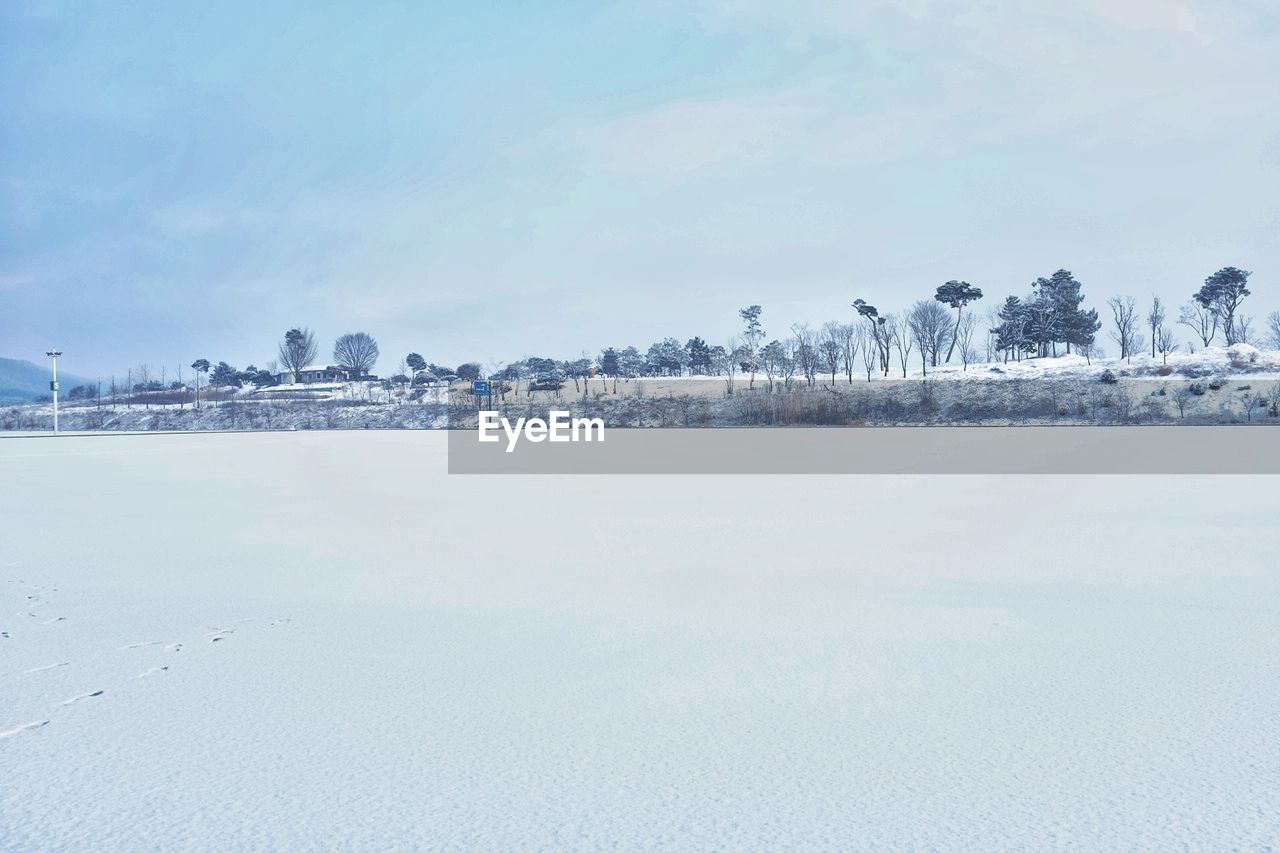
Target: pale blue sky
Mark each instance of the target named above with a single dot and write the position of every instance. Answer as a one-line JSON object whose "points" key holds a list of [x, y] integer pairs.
{"points": [[487, 181]]}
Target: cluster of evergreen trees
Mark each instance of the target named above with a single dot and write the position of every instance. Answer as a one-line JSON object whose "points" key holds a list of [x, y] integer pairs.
{"points": [[1050, 316], [667, 357], [223, 375]]}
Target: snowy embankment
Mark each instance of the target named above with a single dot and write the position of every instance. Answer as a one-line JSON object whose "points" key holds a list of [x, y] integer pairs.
{"points": [[1235, 385], [319, 640], [1235, 362], [351, 405], [228, 415]]}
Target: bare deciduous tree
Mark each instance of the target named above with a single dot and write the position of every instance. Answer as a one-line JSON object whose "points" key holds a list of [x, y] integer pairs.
{"points": [[830, 348], [900, 335], [1200, 320], [1243, 326], [930, 326], [1273, 329], [723, 359], [1155, 321], [870, 352], [773, 360], [1183, 398], [990, 320], [1124, 311], [964, 337], [357, 352], [1252, 401], [804, 352], [143, 385], [1165, 343], [791, 363], [850, 337]]}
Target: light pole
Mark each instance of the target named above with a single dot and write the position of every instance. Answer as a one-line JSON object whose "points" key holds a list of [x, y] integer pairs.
{"points": [[53, 386]]}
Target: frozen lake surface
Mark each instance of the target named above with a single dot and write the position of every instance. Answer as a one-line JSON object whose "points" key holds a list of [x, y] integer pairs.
{"points": [[319, 640]]}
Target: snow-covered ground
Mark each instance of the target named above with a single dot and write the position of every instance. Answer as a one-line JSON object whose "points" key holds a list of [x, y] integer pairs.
{"points": [[318, 640]]}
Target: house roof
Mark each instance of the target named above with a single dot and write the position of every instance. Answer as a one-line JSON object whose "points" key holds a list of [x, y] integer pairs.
{"points": [[313, 367]]}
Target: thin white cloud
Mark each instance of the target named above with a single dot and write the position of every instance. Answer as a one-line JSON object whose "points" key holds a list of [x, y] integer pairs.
{"points": [[686, 136], [15, 281], [973, 74]]}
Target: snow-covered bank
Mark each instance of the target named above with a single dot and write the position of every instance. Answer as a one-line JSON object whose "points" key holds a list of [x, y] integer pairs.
{"points": [[377, 656], [1239, 384], [1235, 362], [238, 415]]}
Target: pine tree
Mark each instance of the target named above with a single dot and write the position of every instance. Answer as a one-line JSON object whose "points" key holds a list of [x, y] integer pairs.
{"points": [[224, 375], [879, 335], [630, 362], [1222, 294], [610, 365], [957, 294], [1071, 324], [1011, 332], [752, 335], [200, 365], [699, 356]]}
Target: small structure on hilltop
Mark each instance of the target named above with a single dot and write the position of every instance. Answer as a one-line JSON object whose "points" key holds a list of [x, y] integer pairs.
{"points": [[312, 374]]}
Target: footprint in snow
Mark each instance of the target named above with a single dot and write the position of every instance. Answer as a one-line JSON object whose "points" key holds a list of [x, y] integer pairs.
{"points": [[82, 697], [141, 645], [25, 727], [46, 668]]}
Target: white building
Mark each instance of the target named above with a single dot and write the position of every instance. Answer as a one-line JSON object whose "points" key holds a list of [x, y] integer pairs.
{"points": [[312, 374]]}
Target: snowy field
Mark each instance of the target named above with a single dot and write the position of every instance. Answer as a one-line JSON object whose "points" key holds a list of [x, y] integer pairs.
{"points": [[318, 640]]}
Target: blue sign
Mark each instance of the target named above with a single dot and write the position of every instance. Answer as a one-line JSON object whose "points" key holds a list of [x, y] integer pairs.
{"points": [[480, 386]]}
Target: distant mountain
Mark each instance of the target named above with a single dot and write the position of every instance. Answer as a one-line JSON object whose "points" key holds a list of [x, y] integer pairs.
{"points": [[22, 381]]}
